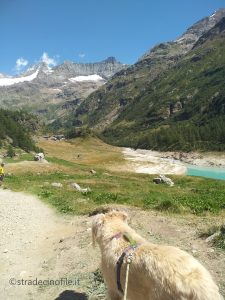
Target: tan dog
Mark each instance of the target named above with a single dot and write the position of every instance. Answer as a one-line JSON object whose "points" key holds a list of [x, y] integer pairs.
{"points": [[156, 273]]}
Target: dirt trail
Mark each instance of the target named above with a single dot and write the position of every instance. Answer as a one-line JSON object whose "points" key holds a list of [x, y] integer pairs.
{"points": [[38, 243], [32, 246]]}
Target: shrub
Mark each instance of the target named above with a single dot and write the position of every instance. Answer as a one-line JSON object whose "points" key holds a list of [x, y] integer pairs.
{"points": [[168, 205], [10, 151]]}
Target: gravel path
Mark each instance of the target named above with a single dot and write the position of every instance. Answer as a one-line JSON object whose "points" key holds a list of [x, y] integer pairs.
{"points": [[32, 246], [25, 223]]}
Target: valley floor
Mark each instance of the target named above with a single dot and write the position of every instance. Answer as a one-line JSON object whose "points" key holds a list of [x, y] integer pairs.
{"points": [[47, 236]]}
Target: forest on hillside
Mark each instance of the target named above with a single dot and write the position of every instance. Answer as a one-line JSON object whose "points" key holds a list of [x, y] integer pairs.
{"points": [[15, 129]]}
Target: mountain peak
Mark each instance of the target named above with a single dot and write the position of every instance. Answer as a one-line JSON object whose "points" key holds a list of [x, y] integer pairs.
{"points": [[110, 60], [219, 12], [187, 40], [218, 29]]}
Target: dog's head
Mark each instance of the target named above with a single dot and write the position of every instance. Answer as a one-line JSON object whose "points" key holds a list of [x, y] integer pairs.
{"points": [[101, 220]]}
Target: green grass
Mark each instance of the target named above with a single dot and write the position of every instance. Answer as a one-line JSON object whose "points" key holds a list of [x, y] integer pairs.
{"points": [[190, 194], [220, 241], [21, 157], [61, 162]]}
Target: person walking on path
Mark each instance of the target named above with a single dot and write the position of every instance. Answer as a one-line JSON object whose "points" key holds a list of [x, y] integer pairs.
{"points": [[2, 173]]}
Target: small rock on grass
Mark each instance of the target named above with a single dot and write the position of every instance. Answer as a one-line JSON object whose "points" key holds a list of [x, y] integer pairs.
{"points": [[212, 237], [57, 184], [93, 171]]}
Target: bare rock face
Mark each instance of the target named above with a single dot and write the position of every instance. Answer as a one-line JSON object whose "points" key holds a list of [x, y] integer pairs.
{"points": [[174, 108], [106, 68]]}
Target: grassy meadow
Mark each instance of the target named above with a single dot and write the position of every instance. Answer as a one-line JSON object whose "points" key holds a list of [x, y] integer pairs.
{"points": [[113, 183]]}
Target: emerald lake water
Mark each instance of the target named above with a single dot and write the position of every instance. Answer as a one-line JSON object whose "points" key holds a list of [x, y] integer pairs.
{"points": [[209, 172]]}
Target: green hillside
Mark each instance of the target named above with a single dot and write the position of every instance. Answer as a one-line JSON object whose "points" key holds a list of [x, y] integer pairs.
{"points": [[15, 129], [128, 86], [183, 109]]}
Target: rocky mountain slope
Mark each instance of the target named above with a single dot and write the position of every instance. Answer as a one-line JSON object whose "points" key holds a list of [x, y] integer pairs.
{"points": [[52, 91], [104, 106], [183, 109]]}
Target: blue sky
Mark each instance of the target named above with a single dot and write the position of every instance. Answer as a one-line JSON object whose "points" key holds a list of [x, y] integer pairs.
{"points": [[91, 30]]}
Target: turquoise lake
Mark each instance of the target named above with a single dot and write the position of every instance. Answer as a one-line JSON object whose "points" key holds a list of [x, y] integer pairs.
{"points": [[215, 173]]}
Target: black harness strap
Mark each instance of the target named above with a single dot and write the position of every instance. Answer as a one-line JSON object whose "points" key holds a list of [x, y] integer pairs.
{"points": [[118, 271], [119, 266], [133, 245]]}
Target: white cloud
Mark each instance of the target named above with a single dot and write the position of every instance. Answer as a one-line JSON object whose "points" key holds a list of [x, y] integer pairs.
{"points": [[81, 55], [48, 60], [20, 64]]}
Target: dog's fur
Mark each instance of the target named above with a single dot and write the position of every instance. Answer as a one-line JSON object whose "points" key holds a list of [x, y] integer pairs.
{"points": [[157, 272]]}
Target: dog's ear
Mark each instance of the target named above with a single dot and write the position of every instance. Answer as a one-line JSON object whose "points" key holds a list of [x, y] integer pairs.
{"points": [[123, 216], [119, 214], [97, 223]]}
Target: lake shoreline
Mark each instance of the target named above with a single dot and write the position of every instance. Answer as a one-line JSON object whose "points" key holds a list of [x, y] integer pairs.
{"points": [[171, 163], [201, 159]]}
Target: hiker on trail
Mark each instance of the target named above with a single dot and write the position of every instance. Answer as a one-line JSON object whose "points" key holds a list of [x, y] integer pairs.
{"points": [[2, 174]]}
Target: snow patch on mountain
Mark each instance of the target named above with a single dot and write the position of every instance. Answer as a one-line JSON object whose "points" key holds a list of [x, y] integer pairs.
{"points": [[86, 78], [213, 15], [55, 90], [6, 81]]}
